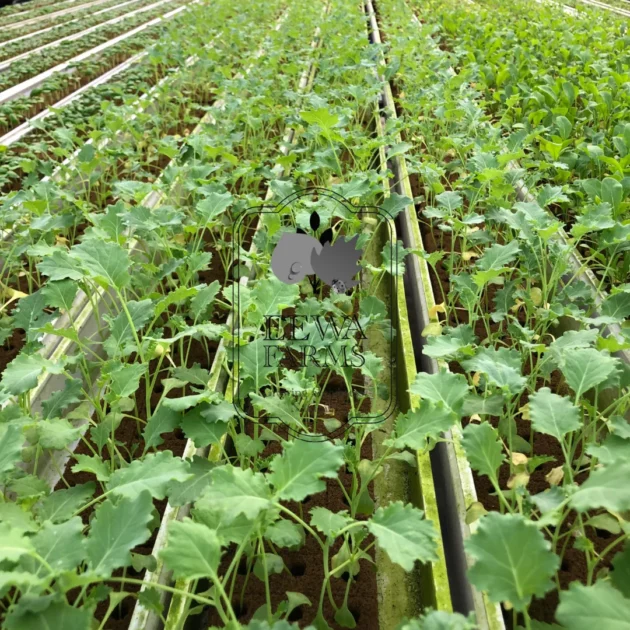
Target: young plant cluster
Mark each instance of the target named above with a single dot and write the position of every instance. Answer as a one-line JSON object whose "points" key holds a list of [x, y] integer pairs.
{"points": [[488, 97]]}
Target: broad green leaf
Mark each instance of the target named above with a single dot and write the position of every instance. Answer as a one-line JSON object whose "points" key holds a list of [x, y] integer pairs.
{"points": [[501, 367], [59, 266], [60, 294], [613, 450], [56, 433], [322, 118], [192, 550], [444, 389], [585, 368], [276, 407], [116, 529], [404, 534], [13, 543], [164, 420], [414, 428], [92, 464], [62, 504], [327, 522], [213, 206], [612, 192], [22, 373], [61, 399], [182, 492], [237, 491], [597, 606], [55, 616], [11, 443], [122, 329], [498, 256], [395, 203], [125, 379], [271, 296], [620, 575], [298, 471], [483, 448], [61, 545], [204, 298], [284, 533], [513, 561], [228, 531], [251, 359], [153, 473], [201, 429], [605, 488], [104, 261], [617, 306], [552, 414], [449, 200]]}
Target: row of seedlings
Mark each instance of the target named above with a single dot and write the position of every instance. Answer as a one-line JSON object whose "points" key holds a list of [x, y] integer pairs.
{"points": [[27, 99], [89, 400], [307, 488], [37, 62], [523, 353], [52, 36]]}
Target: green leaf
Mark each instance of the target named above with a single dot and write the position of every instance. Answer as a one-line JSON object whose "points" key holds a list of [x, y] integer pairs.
{"points": [[498, 256], [164, 420], [276, 407], [56, 615], [552, 414], [213, 206], [61, 399], [125, 379], [483, 448], [104, 261], [62, 504], [204, 298], [617, 306], [11, 443], [449, 200], [56, 433], [322, 118], [271, 296], [613, 450], [414, 428], [395, 203], [22, 373], [444, 389], [91, 464], [585, 368], [60, 294], [251, 360], [59, 266], [502, 367], [153, 473], [329, 523], [192, 550], [605, 488], [61, 545], [13, 543], [298, 471], [620, 575], [284, 533], [116, 529], [121, 341], [612, 192], [182, 492], [404, 534], [597, 606], [201, 429], [513, 561], [236, 491]]}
